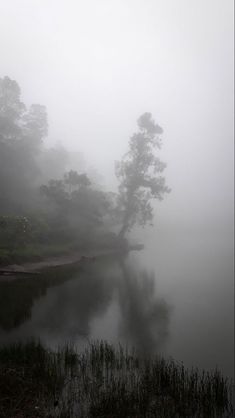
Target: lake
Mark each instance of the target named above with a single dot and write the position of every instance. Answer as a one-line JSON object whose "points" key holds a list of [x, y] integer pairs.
{"points": [[173, 298]]}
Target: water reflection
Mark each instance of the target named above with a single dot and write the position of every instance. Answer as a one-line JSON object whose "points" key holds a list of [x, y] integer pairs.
{"points": [[145, 317], [108, 298], [17, 297]]}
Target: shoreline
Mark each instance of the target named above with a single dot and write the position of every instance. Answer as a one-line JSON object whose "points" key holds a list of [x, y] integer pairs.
{"points": [[35, 267], [100, 380]]}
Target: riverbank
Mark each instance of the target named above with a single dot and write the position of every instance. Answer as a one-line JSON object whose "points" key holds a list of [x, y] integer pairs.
{"points": [[73, 257], [62, 260], [33, 252], [105, 381]]}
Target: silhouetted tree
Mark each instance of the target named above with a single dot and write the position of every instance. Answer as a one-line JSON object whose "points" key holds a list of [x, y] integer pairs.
{"points": [[75, 180], [16, 121], [15, 231], [11, 110], [55, 191], [80, 211], [138, 174], [35, 125], [21, 135]]}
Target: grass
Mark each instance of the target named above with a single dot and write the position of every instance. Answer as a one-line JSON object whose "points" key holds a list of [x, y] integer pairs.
{"points": [[104, 381], [33, 253], [9, 254]]}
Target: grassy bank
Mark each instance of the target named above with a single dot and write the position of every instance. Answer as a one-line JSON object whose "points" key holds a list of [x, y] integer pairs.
{"points": [[105, 382], [37, 252], [31, 253]]}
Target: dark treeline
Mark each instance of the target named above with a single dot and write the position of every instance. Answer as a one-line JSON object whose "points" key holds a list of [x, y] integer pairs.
{"points": [[46, 207], [43, 203]]}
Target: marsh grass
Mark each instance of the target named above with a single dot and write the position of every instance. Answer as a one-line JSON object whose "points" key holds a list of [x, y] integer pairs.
{"points": [[104, 381]]}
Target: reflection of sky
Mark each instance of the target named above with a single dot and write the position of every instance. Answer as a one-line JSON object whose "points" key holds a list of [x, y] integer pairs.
{"points": [[195, 274], [107, 300]]}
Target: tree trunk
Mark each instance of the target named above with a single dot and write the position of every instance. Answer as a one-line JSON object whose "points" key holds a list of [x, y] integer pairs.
{"points": [[123, 231]]}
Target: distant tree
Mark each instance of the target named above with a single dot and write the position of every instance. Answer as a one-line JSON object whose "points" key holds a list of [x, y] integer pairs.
{"points": [[56, 203], [75, 180], [55, 192], [16, 121], [74, 209], [11, 110], [35, 125], [138, 174], [15, 231], [21, 134], [84, 180], [90, 206]]}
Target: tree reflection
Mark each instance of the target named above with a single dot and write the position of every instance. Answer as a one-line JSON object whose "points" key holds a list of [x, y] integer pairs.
{"points": [[145, 317], [64, 304]]}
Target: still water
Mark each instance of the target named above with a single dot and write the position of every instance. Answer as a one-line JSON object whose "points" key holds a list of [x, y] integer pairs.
{"points": [[174, 298]]}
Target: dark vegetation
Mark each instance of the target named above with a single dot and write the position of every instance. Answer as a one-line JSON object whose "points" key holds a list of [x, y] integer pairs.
{"points": [[104, 382], [47, 207]]}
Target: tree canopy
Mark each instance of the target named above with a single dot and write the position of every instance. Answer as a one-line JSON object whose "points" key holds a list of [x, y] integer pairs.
{"points": [[46, 200], [139, 175]]}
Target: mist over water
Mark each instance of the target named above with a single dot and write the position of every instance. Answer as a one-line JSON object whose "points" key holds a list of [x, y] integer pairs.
{"points": [[198, 282], [111, 300], [175, 297], [96, 68]]}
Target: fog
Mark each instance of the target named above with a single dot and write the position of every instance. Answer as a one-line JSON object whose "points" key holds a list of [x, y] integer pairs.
{"points": [[97, 66], [111, 73]]}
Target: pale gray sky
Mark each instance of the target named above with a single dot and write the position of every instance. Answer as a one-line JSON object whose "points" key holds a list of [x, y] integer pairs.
{"points": [[97, 65]]}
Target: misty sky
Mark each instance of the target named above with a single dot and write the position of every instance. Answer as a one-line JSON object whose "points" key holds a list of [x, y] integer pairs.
{"points": [[98, 64]]}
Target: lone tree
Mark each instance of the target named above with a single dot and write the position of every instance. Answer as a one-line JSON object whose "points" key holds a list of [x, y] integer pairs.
{"points": [[138, 174]]}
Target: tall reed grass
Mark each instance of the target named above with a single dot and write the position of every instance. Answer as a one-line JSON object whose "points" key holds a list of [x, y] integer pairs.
{"points": [[105, 381]]}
